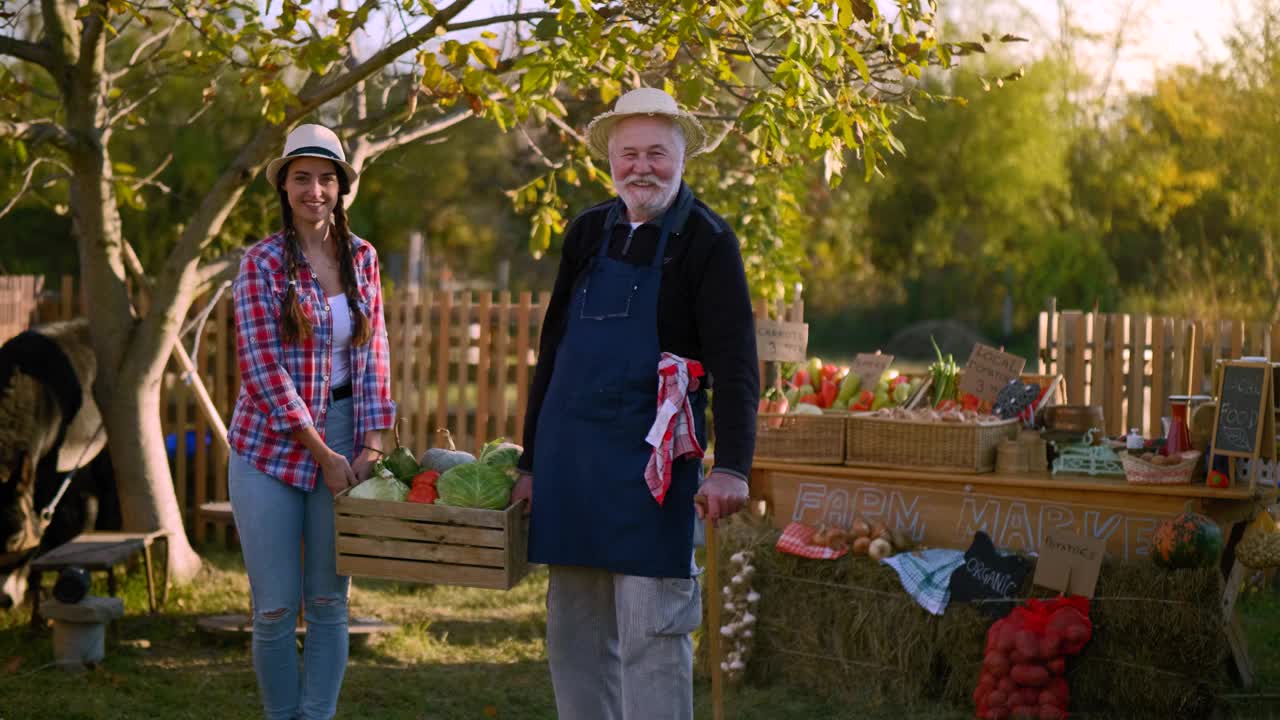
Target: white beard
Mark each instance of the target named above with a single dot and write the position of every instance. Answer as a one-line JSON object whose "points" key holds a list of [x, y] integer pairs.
{"points": [[647, 202]]}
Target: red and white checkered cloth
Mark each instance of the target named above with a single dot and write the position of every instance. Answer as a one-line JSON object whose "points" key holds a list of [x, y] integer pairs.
{"points": [[672, 434], [795, 541]]}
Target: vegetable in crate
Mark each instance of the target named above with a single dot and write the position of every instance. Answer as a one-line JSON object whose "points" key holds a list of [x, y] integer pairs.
{"points": [[501, 454], [475, 485], [383, 486], [1189, 540], [400, 461], [442, 459], [424, 488]]}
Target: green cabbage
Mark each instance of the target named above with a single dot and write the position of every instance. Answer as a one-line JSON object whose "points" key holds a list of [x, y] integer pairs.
{"points": [[502, 455], [475, 485], [381, 486]]}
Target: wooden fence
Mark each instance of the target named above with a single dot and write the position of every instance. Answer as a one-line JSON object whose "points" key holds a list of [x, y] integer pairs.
{"points": [[1130, 364], [19, 296]]}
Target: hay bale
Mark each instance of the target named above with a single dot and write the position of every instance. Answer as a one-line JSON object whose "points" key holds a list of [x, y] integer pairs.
{"points": [[1158, 647], [843, 628], [847, 630]]}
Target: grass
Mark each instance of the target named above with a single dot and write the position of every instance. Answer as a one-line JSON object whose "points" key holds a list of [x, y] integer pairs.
{"points": [[457, 654]]}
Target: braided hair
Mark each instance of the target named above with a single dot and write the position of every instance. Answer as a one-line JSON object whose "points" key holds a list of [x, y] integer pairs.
{"points": [[294, 325]]}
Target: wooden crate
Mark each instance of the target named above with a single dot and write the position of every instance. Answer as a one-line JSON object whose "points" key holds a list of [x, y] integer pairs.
{"points": [[431, 543], [943, 446], [810, 439]]}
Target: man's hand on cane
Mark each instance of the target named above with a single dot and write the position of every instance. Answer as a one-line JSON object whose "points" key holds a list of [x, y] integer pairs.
{"points": [[721, 495]]}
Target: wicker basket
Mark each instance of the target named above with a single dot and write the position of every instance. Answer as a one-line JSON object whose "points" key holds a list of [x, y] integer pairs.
{"points": [[1140, 472], [947, 446], [813, 439]]}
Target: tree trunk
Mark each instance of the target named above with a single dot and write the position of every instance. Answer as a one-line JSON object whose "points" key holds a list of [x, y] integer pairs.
{"points": [[143, 479]]}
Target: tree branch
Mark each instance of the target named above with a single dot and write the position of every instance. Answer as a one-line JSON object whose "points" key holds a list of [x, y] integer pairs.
{"points": [[340, 83], [24, 50], [26, 182], [37, 132], [217, 271], [501, 20]]}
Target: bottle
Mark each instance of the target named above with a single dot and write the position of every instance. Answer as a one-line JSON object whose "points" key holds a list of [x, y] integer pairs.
{"points": [[1134, 441], [1178, 439]]}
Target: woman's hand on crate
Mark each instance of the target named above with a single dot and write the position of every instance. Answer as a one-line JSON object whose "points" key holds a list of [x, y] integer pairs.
{"points": [[721, 495], [523, 490], [337, 473]]}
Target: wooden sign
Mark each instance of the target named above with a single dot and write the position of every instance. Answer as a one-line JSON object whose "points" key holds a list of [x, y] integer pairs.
{"points": [[1017, 519], [1242, 409], [988, 574], [778, 341], [988, 371], [870, 367], [1069, 563]]}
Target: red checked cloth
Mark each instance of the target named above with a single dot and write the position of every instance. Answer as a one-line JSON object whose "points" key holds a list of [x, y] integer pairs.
{"points": [[795, 541], [672, 434]]}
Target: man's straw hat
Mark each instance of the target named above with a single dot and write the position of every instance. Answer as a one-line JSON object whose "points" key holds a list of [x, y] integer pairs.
{"points": [[650, 102]]}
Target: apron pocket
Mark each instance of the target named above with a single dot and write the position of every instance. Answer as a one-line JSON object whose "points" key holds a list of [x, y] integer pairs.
{"points": [[678, 606], [607, 298]]}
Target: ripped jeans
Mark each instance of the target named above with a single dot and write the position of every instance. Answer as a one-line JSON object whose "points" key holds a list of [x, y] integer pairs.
{"points": [[287, 537]]}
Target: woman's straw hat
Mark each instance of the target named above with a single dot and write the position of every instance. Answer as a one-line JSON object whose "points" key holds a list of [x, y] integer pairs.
{"points": [[311, 141]]}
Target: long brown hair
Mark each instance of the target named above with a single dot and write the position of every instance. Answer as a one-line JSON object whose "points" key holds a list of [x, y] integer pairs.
{"points": [[294, 325]]}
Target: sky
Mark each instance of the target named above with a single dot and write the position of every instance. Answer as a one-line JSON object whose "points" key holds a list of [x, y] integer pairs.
{"points": [[1158, 34]]}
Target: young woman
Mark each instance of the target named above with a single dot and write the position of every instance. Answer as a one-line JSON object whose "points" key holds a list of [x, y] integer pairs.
{"points": [[314, 396]]}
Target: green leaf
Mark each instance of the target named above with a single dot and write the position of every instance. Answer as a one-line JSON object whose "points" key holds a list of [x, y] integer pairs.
{"points": [[861, 63]]}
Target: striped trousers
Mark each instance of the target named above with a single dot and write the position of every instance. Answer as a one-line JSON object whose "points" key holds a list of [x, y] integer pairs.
{"points": [[619, 645]]}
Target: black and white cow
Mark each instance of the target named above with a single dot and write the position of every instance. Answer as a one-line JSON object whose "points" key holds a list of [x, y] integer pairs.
{"points": [[49, 424]]}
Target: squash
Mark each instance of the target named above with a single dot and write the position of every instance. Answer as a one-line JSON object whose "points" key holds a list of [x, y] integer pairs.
{"points": [[1187, 540], [442, 459]]}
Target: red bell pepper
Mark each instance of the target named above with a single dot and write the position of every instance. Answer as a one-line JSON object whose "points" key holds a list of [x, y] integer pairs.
{"points": [[827, 395], [424, 487], [863, 402], [800, 379], [811, 399]]}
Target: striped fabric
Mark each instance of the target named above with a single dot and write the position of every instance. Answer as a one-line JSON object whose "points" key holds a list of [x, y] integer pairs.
{"points": [[672, 434]]}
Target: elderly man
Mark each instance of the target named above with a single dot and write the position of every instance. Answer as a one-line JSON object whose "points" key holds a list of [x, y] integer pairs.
{"points": [[650, 277]]}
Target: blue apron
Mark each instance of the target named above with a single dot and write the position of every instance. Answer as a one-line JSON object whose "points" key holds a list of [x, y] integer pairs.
{"points": [[591, 506]]}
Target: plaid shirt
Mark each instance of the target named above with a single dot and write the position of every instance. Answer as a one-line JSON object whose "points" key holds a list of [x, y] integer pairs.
{"points": [[284, 388]]}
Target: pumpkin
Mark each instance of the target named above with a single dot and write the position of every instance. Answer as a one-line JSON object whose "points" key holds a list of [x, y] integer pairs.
{"points": [[1187, 540], [442, 459]]}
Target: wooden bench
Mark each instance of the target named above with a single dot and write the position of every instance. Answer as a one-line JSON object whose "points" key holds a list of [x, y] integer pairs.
{"points": [[101, 551]]}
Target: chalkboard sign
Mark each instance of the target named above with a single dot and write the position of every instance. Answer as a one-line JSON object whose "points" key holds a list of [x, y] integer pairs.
{"points": [[1242, 407], [988, 574]]}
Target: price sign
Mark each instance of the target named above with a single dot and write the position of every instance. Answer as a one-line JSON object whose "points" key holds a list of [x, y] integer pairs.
{"points": [[782, 341], [988, 371], [1069, 562], [869, 367]]}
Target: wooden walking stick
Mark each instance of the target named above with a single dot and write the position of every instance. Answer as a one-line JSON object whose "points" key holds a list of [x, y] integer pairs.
{"points": [[714, 652]]}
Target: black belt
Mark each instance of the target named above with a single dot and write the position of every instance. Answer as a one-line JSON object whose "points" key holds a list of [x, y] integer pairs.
{"points": [[340, 393]]}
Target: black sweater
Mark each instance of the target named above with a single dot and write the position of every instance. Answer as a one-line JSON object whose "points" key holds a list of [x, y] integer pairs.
{"points": [[704, 314]]}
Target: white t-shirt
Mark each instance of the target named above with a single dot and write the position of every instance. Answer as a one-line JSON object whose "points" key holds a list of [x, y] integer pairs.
{"points": [[340, 353]]}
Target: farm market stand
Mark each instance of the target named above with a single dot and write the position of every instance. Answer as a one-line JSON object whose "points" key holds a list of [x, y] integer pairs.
{"points": [[941, 509]]}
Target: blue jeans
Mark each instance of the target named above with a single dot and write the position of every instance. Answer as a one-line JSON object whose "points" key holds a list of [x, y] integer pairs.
{"points": [[275, 521]]}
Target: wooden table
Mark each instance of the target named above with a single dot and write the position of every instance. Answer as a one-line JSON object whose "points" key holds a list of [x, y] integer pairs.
{"points": [[1016, 511], [100, 551]]}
